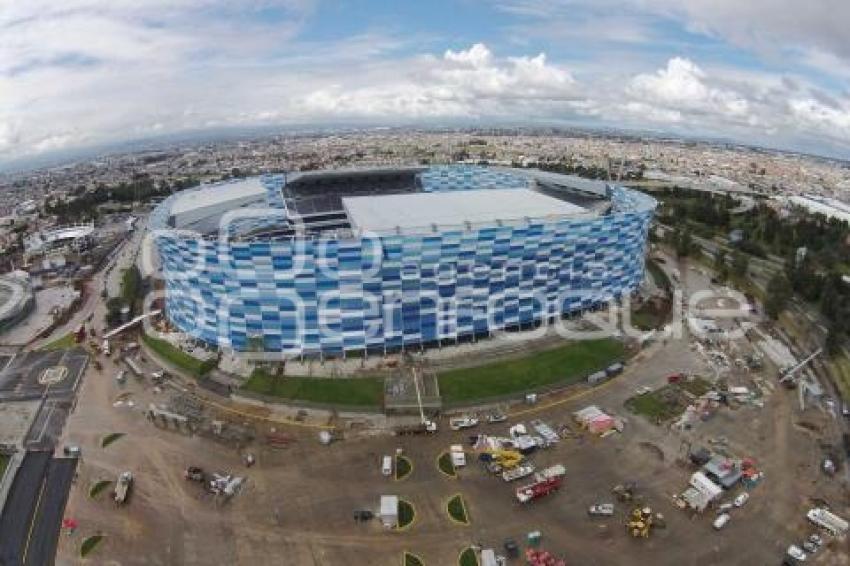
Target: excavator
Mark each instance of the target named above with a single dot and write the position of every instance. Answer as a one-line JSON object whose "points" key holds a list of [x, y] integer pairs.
{"points": [[500, 460]]}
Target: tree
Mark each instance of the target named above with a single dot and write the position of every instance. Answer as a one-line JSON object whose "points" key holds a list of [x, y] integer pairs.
{"points": [[833, 339], [740, 264], [684, 244], [778, 294]]}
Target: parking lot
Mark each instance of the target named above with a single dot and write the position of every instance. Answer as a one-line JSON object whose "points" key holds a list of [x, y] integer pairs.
{"points": [[299, 498]]}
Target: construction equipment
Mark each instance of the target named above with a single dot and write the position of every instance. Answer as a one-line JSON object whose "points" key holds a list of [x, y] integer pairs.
{"points": [[426, 425], [122, 488], [788, 375], [194, 473], [639, 524], [500, 460], [546, 481], [625, 492]]}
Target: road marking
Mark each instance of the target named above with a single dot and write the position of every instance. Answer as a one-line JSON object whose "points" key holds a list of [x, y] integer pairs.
{"points": [[34, 515]]}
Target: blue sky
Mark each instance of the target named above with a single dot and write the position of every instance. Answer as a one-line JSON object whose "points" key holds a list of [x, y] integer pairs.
{"points": [[90, 72]]}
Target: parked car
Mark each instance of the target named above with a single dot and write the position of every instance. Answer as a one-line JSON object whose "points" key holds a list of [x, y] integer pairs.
{"points": [[810, 547], [721, 521], [815, 539], [796, 553], [725, 507], [493, 418], [461, 423], [601, 509], [742, 499]]}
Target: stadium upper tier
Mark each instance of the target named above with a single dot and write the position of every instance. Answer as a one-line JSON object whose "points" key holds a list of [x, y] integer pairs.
{"points": [[372, 259]]}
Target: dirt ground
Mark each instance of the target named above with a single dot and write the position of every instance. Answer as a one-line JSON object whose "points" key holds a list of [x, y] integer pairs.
{"points": [[296, 507]]}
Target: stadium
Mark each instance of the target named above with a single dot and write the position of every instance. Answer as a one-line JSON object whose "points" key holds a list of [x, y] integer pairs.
{"points": [[369, 261]]}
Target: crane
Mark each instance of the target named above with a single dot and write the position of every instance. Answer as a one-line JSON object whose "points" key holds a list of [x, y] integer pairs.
{"points": [[788, 374]]}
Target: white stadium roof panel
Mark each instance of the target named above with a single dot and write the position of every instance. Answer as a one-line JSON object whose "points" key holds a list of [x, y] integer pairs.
{"points": [[215, 195], [447, 209]]}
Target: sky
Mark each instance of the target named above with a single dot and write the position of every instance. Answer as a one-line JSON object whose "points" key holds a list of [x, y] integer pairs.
{"points": [[80, 73]]}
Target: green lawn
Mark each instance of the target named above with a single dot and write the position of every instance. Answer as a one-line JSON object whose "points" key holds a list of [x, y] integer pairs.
{"points": [[89, 545], [406, 514], [360, 391], [457, 509], [567, 364], [62, 343], [467, 558], [444, 462], [110, 438], [98, 487], [666, 402], [176, 357], [403, 467]]}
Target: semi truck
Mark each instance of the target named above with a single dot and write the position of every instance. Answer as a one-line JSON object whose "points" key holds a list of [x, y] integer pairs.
{"points": [[518, 473], [545, 482], [122, 488], [424, 427], [828, 520]]}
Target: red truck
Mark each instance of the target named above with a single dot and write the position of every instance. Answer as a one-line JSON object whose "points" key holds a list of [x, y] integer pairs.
{"points": [[545, 482]]}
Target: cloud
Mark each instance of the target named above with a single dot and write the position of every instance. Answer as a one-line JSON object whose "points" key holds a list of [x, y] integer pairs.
{"points": [[461, 84], [85, 72], [681, 86]]}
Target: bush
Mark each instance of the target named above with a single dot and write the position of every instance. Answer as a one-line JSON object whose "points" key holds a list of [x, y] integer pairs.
{"points": [[467, 558], [444, 463], [456, 509], [403, 467], [406, 514], [89, 545]]}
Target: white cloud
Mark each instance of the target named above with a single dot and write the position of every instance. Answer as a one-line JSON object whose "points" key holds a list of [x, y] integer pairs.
{"points": [[681, 86]]}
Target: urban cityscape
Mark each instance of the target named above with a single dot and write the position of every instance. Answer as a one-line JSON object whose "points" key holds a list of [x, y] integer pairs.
{"points": [[459, 305]]}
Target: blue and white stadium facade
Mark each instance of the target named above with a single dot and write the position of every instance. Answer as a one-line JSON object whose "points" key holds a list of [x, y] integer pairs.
{"points": [[328, 262]]}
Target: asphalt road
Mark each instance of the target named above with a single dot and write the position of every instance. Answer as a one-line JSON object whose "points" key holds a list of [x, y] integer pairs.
{"points": [[48, 518], [20, 508]]}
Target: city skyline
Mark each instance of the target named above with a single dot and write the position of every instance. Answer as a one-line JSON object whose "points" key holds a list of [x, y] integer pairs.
{"points": [[770, 73]]}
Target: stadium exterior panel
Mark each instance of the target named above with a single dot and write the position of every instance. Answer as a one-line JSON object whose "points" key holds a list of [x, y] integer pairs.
{"points": [[386, 259]]}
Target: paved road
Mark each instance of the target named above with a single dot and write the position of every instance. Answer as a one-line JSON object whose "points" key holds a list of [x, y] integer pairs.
{"points": [[51, 509], [20, 508]]}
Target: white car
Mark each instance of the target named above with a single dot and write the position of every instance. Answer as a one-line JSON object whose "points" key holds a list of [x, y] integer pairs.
{"points": [[796, 553], [721, 521], [742, 499], [462, 423], [643, 390]]}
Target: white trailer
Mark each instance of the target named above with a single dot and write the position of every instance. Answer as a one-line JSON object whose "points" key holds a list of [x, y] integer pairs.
{"points": [[518, 473], [458, 455], [828, 520]]}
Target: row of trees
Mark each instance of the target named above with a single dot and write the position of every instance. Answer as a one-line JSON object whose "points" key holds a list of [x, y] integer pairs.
{"points": [[82, 206]]}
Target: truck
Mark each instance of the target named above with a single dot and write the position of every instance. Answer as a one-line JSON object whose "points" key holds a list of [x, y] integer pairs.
{"points": [[518, 473], [425, 427], [545, 482], [825, 518], [122, 488], [105, 348], [458, 455]]}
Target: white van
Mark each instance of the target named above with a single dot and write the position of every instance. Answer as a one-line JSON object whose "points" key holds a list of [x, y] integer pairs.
{"points": [[721, 521], [387, 465]]}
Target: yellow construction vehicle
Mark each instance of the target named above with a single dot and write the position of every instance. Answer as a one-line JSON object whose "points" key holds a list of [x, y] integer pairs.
{"points": [[500, 460], [639, 524]]}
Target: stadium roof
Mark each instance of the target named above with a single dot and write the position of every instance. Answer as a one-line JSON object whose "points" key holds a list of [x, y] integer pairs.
{"points": [[213, 195], [384, 213]]}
